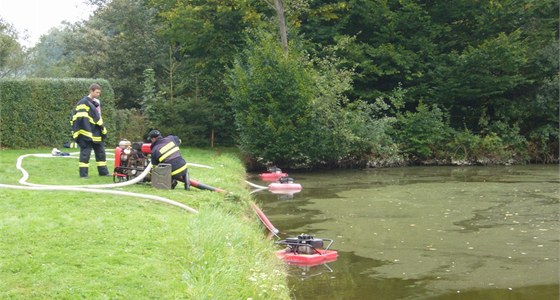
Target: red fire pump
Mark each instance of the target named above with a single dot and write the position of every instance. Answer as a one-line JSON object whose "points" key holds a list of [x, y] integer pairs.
{"points": [[131, 159]]}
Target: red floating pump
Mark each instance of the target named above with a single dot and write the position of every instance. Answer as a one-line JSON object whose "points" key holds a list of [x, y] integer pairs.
{"points": [[304, 251], [285, 184], [273, 174]]}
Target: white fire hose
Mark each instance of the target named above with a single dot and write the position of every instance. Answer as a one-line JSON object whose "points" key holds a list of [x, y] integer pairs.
{"points": [[94, 188]]}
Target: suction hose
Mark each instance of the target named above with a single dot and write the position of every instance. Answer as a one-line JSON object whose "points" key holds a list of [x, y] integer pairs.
{"points": [[265, 220], [202, 186], [256, 185]]}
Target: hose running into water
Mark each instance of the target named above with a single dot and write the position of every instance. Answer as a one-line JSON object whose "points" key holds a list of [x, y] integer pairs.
{"points": [[256, 185]]}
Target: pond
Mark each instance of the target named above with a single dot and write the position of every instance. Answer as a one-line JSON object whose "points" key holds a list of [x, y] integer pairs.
{"points": [[426, 232]]}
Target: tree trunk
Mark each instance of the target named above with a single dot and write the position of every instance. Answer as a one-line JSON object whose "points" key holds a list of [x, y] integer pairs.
{"points": [[279, 6]]}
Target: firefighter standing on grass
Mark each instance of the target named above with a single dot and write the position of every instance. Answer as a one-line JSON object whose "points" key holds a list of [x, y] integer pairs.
{"points": [[166, 150], [89, 132]]}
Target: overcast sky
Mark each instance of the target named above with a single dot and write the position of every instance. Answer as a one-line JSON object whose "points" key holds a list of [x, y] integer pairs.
{"points": [[35, 17]]}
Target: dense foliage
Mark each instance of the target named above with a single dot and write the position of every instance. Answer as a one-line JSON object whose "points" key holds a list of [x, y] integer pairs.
{"points": [[37, 112], [12, 55], [452, 81], [313, 125]]}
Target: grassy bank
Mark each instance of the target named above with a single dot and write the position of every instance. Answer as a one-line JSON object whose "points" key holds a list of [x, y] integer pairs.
{"points": [[61, 244]]}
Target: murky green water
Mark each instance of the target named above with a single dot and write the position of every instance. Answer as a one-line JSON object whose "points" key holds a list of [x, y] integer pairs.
{"points": [[427, 232]]}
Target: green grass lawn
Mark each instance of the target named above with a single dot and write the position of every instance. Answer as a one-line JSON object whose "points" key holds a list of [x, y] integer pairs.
{"points": [[69, 245]]}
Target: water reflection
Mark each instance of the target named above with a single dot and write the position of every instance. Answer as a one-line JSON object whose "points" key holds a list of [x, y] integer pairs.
{"points": [[348, 278], [428, 232]]}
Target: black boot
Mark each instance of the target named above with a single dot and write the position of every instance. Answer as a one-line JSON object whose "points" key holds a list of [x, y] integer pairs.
{"points": [[84, 172], [103, 171]]}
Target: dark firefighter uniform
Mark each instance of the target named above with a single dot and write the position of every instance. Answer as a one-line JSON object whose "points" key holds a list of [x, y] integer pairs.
{"points": [[166, 150], [89, 132]]}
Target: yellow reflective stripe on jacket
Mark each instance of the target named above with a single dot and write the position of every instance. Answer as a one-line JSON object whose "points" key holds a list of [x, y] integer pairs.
{"points": [[166, 147], [82, 106], [88, 134], [164, 156], [181, 169], [83, 114], [82, 132]]}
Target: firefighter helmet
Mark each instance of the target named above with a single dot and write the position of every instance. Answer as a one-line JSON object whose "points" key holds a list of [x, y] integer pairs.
{"points": [[154, 134]]}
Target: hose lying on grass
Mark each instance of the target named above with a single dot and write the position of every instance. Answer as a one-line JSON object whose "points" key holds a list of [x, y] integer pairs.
{"points": [[94, 188], [101, 191], [25, 175]]}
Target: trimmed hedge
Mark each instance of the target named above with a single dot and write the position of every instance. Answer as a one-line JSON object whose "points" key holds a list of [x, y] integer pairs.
{"points": [[36, 112]]}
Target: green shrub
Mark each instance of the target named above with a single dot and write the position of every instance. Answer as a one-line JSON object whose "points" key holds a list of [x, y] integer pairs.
{"points": [[492, 146], [423, 133], [488, 148], [515, 144], [130, 124], [464, 146], [36, 112], [271, 96], [194, 119], [291, 110], [543, 145]]}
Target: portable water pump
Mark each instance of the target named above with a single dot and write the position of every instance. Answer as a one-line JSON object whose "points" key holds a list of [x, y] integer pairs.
{"points": [[304, 244], [286, 180], [131, 159]]}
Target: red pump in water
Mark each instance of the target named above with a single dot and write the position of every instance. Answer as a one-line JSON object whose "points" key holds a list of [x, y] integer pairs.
{"points": [[304, 250], [285, 184], [273, 174]]}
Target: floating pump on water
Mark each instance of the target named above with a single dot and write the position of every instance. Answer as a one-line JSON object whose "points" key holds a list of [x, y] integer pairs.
{"points": [[304, 250], [285, 184], [273, 174]]}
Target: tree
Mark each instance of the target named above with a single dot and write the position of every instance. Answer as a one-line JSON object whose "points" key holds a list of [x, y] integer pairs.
{"points": [[49, 57], [423, 132], [282, 27], [481, 79], [394, 44], [291, 110], [271, 97], [205, 35], [12, 54], [126, 44], [117, 43]]}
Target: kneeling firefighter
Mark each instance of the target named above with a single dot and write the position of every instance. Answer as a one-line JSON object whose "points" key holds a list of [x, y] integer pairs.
{"points": [[166, 150]]}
